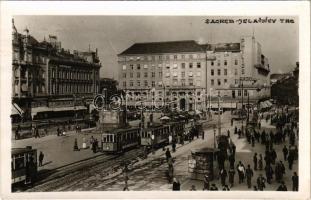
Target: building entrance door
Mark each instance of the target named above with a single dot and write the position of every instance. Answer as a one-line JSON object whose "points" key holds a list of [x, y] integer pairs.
{"points": [[182, 104]]}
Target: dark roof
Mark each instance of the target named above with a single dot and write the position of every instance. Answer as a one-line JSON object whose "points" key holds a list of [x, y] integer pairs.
{"points": [[163, 47], [278, 76]]}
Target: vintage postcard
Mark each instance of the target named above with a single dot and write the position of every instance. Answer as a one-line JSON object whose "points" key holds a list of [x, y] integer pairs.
{"points": [[116, 99]]}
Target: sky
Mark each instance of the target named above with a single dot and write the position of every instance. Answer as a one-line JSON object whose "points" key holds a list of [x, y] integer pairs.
{"points": [[113, 34]]}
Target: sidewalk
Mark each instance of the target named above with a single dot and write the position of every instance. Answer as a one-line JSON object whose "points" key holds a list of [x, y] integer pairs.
{"points": [[58, 150]]}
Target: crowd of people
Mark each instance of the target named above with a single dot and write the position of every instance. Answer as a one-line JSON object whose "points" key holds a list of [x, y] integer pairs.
{"points": [[269, 166]]}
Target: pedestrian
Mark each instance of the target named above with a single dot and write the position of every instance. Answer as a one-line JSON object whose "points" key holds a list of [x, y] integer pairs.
{"points": [[225, 188], [278, 172], [174, 146], [231, 121], [231, 176], [37, 132], [249, 174], [168, 154], [233, 149], [176, 184], [193, 188], [92, 140], [206, 183], [260, 162], [295, 181], [269, 173], [213, 187], [241, 172], [231, 160], [95, 145], [83, 143], [282, 187], [41, 156], [285, 152], [255, 161], [58, 131], [261, 182], [296, 153], [253, 140], [290, 160], [273, 156], [235, 130], [17, 135], [223, 176], [75, 147], [126, 179]]}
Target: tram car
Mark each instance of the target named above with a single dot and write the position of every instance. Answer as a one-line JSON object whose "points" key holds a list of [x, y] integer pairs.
{"points": [[156, 136], [176, 129], [23, 165], [120, 140]]}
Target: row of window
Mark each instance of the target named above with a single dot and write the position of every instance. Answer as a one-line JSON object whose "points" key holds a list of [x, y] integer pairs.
{"points": [[218, 81], [239, 93], [236, 62], [168, 93], [72, 75], [225, 73], [167, 66], [145, 83], [70, 88], [165, 57], [168, 74]]}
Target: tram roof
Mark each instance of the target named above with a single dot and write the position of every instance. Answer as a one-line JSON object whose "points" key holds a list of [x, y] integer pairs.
{"points": [[118, 130]]}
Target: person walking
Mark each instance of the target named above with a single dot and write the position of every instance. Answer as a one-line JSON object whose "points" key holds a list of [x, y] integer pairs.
{"points": [[273, 155], [206, 183], [290, 160], [249, 174], [295, 181], [269, 173], [260, 162], [223, 176], [241, 172], [168, 154], [37, 132], [261, 182], [231, 176], [285, 152], [231, 160], [41, 156], [75, 147], [255, 161]]}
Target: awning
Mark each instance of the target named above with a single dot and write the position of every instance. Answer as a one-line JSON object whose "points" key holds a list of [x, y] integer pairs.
{"points": [[69, 108], [56, 109], [16, 110]]}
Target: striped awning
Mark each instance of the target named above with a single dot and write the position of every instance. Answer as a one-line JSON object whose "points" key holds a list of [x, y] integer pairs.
{"points": [[16, 110]]}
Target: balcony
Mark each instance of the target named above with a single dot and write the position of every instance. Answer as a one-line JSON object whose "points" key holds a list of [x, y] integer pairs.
{"points": [[261, 69]]}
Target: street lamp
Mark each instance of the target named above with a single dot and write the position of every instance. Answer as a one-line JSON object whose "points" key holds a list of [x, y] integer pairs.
{"points": [[214, 137]]}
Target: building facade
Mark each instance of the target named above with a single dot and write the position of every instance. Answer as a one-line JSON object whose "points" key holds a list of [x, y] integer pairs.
{"points": [[48, 80], [189, 76], [171, 73]]}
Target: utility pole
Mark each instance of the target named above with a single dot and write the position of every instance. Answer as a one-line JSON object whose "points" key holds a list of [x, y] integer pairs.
{"points": [[242, 129], [247, 108], [219, 119]]}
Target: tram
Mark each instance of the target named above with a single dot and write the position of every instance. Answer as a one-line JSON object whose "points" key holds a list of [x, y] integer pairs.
{"points": [[155, 136], [23, 165], [117, 141]]}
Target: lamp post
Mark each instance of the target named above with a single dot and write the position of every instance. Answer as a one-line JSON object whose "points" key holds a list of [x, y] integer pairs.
{"points": [[214, 137], [219, 120]]}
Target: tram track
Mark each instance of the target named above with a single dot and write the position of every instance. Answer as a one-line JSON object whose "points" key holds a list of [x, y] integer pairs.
{"points": [[69, 175]]}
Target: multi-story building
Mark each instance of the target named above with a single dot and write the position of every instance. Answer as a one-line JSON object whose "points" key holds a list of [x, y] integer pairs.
{"points": [[50, 81], [188, 74], [237, 70], [164, 73]]}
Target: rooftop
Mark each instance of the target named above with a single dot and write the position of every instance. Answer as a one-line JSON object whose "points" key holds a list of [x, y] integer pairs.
{"points": [[163, 47]]}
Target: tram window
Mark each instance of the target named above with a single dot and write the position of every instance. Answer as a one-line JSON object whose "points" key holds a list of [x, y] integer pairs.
{"points": [[19, 163]]}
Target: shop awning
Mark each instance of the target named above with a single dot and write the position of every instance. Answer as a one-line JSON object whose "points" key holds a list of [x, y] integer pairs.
{"points": [[16, 110]]}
